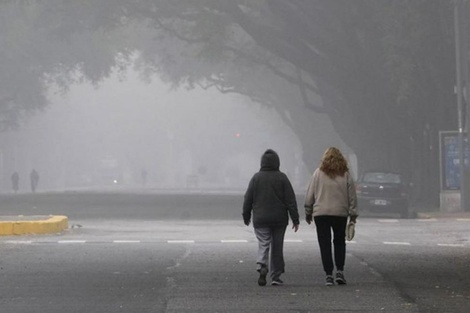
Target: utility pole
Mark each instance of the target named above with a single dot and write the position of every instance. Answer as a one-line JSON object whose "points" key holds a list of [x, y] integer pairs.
{"points": [[461, 56], [466, 112]]}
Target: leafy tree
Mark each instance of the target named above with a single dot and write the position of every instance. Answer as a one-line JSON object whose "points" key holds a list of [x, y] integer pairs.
{"points": [[381, 70], [53, 42]]}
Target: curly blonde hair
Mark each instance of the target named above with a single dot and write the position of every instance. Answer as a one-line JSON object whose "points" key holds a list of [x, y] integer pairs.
{"points": [[333, 163]]}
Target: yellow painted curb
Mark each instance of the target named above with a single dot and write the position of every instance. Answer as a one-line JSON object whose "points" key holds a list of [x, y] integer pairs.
{"points": [[53, 224]]}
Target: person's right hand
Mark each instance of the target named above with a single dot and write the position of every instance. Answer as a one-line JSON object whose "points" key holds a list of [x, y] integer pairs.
{"points": [[295, 227]]}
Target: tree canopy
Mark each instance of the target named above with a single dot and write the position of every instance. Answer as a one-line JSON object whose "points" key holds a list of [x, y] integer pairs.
{"points": [[383, 71]]}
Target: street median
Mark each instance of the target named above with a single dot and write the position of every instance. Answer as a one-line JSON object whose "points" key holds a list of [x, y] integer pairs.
{"points": [[31, 225]]}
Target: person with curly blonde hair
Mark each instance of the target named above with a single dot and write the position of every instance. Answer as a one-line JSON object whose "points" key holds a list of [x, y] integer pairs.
{"points": [[329, 201]]}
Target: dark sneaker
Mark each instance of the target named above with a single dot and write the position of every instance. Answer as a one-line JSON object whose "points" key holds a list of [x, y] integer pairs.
{"points": [[277, 282], [263, 271], [329, 280], [340, 278]]}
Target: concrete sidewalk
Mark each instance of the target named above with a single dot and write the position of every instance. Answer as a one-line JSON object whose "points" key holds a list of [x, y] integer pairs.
{"points": [[38, 224]]}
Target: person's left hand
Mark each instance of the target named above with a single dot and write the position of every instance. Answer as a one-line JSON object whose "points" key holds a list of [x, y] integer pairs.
{"points": [[247, 222], [295, 227], [309, 218]]}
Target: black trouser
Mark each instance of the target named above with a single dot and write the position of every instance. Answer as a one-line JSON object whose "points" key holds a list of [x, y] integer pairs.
{"points": [[324, 226]]}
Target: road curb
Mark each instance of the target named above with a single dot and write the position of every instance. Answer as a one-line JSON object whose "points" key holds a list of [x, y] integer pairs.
{"points": [[40, 225], [429, 215]]}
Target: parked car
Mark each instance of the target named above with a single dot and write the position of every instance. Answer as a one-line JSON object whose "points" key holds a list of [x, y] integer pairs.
{"points": [[383, 191]]}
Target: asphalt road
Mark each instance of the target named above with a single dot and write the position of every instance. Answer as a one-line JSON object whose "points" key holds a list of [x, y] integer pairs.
{"points": [[109, 263], [118, 204]]}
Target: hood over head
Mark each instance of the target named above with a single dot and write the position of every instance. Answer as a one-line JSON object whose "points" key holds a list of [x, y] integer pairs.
{"points": [[270, 161]]}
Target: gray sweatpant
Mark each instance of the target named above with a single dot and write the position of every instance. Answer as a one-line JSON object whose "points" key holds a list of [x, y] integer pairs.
{"points": [[271, 243]]}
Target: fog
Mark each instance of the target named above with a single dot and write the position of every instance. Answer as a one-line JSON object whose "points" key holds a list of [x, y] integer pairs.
{"points": [[128, 134], [295, 78]]}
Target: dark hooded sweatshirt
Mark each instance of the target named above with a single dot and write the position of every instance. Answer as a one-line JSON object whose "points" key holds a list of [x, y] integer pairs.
{"points": [[270, 195]]}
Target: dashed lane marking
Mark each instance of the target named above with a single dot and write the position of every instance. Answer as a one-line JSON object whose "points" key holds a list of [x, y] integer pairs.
{"points": [[71, 241], [388, 221], [180, 241], [126, 241], [450, 245], [427, 220], [19, 242], [233, 241], [463, 219], [398, 243], [64, 242]]}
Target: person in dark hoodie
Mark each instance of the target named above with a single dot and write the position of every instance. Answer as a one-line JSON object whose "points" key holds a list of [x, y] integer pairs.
{"points": [[270, 198]]}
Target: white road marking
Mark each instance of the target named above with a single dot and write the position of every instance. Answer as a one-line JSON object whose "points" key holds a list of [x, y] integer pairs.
{"points": [[389, 221], [463, 219], [233, 240], [400, 243], [450, 245], [19, 242], [126, 241], [427, 220], [71, 241], [28, 242], [180, 241]]}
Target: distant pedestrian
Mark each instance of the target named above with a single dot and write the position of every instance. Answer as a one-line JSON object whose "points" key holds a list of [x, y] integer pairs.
{"points": [[15, 181], [34, 176], [270, 198], [330, 199]]}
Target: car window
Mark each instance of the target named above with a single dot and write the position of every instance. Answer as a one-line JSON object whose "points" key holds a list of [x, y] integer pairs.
{"points": [[381, 178]]}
